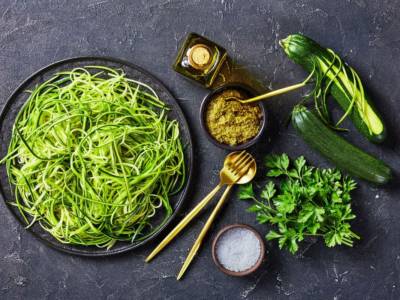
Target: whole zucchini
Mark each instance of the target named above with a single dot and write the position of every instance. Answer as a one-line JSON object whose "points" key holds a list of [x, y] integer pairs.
{"points": [[345, 85], [339, 151]]}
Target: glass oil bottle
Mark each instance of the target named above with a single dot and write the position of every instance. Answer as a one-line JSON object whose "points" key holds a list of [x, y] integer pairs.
{"points": [[200, 59]]}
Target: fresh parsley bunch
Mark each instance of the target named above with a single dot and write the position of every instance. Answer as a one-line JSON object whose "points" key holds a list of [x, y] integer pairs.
{"points": [[309, 202]]}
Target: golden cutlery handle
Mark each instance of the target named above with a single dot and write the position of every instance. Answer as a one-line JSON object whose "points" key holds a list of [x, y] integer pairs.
{"points": [[274, 93], [203, 233], [182, 224]]}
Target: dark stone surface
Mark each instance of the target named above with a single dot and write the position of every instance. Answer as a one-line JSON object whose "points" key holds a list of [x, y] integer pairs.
{"points": [[36, 33]]}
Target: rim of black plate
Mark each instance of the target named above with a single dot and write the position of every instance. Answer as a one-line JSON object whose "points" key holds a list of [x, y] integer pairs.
{"points": [[85, 250]]}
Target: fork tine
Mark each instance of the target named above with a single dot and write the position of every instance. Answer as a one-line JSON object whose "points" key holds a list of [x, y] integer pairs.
{"points": [[243, 164], [244, 168], [240, 166], [239, 156], [238, 162], [243, 161]]}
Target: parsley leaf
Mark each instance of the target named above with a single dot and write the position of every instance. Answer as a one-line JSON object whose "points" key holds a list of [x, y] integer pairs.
{"points": [[279, 162], [246, 192], [269, 191], [305, 201]]}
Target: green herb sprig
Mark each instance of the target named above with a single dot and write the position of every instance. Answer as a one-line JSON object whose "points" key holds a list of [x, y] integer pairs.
{"points": [[309, 202]]}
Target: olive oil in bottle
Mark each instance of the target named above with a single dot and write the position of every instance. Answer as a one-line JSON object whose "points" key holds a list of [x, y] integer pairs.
{"points": [[200, 59]]}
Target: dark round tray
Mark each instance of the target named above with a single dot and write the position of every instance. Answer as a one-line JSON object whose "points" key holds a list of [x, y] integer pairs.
{"points": [[19, 97]]}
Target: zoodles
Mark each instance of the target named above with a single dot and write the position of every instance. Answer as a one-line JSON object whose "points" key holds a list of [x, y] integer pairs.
{"points": [[93, 158]]}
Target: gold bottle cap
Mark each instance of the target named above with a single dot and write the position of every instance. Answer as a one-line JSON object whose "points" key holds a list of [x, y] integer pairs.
{"points": [[199, 56]]}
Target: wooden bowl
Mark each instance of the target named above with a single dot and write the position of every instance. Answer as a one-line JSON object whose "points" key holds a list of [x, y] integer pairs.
{"points": [[241, 273]]}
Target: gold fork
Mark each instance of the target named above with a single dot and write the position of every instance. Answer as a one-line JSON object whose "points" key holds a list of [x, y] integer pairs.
{"points": [[234, 167], [248, 171]]}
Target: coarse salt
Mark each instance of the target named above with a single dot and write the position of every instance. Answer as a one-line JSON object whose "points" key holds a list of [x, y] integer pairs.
{"points": [[238, 249]]}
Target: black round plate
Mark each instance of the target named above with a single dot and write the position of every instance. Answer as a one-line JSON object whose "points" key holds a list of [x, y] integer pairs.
{"points": [[19, 97]]}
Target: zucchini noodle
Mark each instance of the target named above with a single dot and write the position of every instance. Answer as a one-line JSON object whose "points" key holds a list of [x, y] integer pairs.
{"points": [[336, 70], [94, 158]]}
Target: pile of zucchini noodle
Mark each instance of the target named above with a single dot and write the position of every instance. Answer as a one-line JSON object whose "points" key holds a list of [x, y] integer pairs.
{"points": [[93, 158]]}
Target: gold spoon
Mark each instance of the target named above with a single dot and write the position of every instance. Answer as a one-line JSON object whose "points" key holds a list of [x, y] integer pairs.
{"points": [[272, 93], [236, 164], [246, 178]]}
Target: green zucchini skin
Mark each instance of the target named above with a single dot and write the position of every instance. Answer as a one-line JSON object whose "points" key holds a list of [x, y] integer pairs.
{"points": [[335, 148], [303, 51]]}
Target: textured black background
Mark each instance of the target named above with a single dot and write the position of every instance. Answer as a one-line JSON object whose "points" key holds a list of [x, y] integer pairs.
{"points": [[36, 33]]}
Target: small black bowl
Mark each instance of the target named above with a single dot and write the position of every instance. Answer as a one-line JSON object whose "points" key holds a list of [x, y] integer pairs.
{"points": [[246, 90]]}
